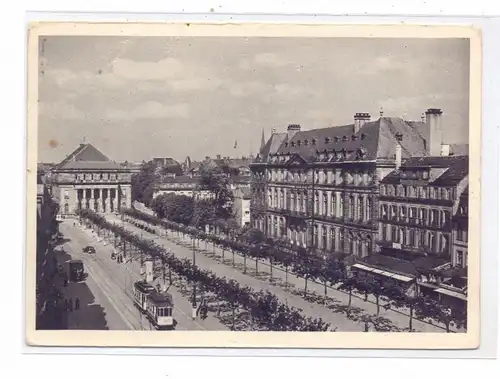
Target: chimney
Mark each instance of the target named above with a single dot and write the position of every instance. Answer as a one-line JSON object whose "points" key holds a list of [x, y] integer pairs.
{"points": [[399, 138], [292, 129], [433, 122], [218, 156], [273, 131], [445, 150], [359, 121], [149, 270]]}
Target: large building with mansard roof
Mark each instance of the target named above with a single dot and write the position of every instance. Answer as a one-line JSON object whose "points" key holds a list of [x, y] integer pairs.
{"points": [[319, 188], [88, 179]]}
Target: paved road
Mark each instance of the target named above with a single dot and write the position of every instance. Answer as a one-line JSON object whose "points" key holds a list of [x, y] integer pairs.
{"points": [[308, 309], [339, 302], [116, 281]]}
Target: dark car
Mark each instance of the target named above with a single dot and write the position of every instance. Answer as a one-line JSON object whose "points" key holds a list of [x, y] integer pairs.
{"points": [[76, 271], [89, 250]]}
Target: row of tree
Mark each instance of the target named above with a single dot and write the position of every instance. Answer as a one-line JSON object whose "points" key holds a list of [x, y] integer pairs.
{"points": [[331, 271], [265, 308]]}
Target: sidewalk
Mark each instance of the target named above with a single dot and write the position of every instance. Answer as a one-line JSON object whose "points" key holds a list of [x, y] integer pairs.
{"points": [[338, 300]]}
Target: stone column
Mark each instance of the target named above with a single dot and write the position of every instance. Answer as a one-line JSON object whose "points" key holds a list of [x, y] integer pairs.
{"points": [[338, 213], [115, 200], [91, 199], [108, 200]]}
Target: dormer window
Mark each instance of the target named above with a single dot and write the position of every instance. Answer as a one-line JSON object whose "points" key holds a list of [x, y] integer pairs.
{"points": [[345, 138], [354, 138], [327, 139], [286, 144], [313, 141], [293, 144], [306, 142], [336, 139], [363, 136], [298, 143]]}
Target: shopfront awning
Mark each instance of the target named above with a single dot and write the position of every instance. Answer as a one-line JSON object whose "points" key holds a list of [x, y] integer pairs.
{"points": [[401, 278], [448, 292]]}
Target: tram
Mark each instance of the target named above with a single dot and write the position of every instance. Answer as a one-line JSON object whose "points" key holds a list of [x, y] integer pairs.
{"points": [[157, 307]]}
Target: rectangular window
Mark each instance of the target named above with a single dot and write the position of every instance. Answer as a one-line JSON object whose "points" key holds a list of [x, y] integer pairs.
{"points": [[460, 258]]}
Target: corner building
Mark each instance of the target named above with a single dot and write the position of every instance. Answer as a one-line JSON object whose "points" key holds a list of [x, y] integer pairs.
{"points": [[319, 188]]}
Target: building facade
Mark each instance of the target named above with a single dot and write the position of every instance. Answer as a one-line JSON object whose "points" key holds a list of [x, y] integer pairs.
{"points": [[319, 188], [87, 179], [181, 185], [460, 235], [241, 205]]}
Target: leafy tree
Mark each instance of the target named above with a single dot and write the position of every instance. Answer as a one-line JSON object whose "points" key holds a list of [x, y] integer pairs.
{"points": [[215, 181], [306, 266], [143, 183], [204, 213]]}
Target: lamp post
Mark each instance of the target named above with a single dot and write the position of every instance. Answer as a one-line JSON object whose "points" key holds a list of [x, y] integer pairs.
{"points": [[194, 256]]}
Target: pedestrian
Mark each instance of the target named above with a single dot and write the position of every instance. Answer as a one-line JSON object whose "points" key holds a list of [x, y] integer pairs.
{"points": [[367, 328], [204, 311], [70, 304], [77, 303], [66, 306]]}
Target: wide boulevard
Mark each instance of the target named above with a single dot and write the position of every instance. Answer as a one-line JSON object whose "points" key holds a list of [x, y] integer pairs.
{"points": [[106, 294]]}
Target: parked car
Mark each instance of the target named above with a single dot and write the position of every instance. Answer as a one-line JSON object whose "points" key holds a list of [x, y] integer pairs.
{"points": [[89, 250]]}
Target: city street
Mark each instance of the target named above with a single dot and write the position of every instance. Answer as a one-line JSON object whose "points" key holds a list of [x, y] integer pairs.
{"points": [[293, 294], [111, 283]]}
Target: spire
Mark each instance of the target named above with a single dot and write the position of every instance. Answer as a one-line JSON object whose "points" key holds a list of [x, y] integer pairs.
{"points": [[263, 141]]}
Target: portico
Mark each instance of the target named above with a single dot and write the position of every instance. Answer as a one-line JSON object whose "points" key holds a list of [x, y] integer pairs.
{"points": [[87, 179]]}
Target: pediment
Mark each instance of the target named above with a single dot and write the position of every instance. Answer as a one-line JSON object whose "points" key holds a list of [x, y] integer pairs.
{"points": [[296, 160]]}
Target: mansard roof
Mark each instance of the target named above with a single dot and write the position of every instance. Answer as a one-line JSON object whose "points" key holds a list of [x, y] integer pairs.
{"points": [[87, 157], [456, 168], [375, 140]]}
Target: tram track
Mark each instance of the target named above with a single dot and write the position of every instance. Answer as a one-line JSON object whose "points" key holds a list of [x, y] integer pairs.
{"points": [[122, 286]]}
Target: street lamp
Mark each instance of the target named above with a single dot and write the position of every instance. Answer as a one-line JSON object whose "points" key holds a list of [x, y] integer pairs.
{"points": [[194, 254]]}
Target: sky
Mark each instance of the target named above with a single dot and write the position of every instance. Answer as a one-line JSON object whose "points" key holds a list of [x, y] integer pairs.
{"points": [[143, 97]]}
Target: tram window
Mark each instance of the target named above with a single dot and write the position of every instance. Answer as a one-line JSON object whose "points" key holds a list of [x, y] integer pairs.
{"points": [[169, 311]]}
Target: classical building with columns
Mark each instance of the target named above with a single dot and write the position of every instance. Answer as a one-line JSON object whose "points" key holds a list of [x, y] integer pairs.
{"points": [[87, 179], [319, 188]]}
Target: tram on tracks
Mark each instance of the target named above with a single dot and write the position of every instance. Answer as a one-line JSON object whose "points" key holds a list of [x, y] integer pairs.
{"points": [[156, 306]]}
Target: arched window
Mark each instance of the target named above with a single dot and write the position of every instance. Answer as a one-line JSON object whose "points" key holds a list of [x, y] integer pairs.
{"points": [[334, 204], [361, 210], [324, 237], [350, 212], [325, 203], [316, 203], [368, 209], [333, 241], [66, 208]]}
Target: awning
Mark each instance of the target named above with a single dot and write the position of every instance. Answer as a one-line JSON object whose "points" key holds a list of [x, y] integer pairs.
{"points": [[447, 292], [399, 277]]}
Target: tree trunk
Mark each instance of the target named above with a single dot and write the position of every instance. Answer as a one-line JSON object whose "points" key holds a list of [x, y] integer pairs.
{"points": [[223, 253], [305, 287], [377, 298], [286, 277], [447, 323], [326, 294], [411, 319], [206, 245], [271, 267], [234, 315], [350, 298], [218, 308], [233, 256], [244, 264], [213, 248]]}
